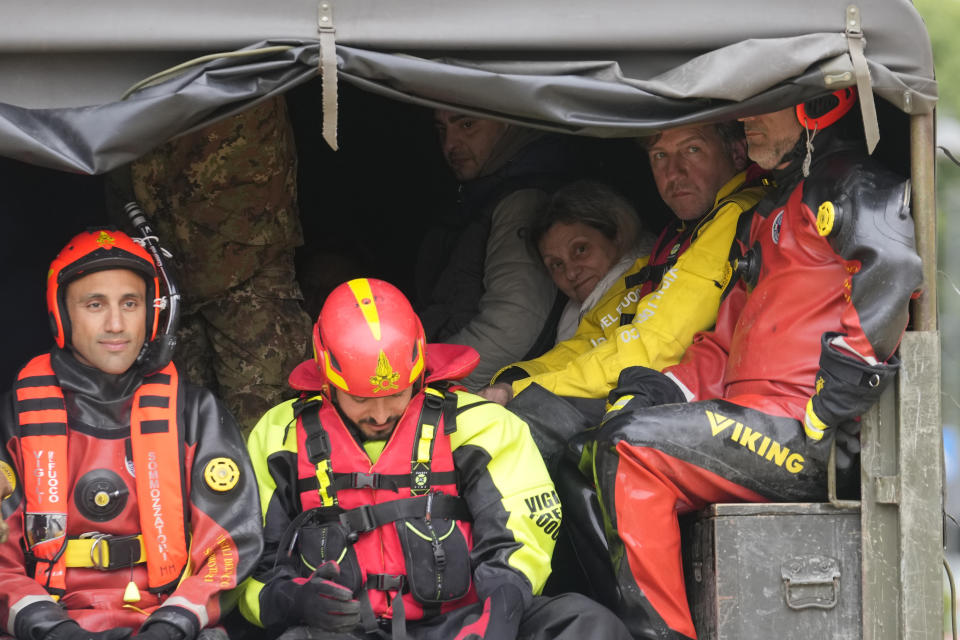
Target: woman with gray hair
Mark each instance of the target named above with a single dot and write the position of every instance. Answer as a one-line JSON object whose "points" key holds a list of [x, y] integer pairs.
{"points": [[587, 236]]}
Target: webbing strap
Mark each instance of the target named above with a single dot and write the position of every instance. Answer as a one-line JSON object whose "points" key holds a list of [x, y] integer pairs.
{"points": [[318, 442], [359, 480], [649, 273], [369, 517], [367, 618], [307, 412], [105, 552], [423, 442], [467, 407], [450, 411], [388, 582]]}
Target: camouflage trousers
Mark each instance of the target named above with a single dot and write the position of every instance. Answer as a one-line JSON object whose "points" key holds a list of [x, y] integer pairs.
{"points": [[243, 344]]}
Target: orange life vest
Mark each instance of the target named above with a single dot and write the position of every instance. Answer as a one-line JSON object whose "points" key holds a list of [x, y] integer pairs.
{"points": [[157, 451]]}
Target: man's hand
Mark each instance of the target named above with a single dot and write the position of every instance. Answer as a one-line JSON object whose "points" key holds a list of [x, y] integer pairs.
{"points": [[317, 601], [501, 393], [159, 630], [325, 604], [70, 630]]}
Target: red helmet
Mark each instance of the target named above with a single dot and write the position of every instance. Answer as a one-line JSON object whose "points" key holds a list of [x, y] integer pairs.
{"points": [[819, 113], [367, 341], [90, 251]]}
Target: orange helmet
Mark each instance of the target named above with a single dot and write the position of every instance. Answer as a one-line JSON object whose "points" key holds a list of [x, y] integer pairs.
{"points": [[367, 342], [819, 113], [88, 252]]}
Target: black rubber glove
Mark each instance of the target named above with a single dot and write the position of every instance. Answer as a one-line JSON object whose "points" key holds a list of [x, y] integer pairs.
{"points": [[318, 601], [845, 388], [70, 630], [500, 620], [648, 387], [159, 631]]}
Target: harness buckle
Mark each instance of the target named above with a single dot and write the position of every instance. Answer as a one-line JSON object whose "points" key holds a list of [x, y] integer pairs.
{"points": [[318, 445], [357, 521], [385, 582], [98, 552], [433, 401], [360, 480], [108, 553]]}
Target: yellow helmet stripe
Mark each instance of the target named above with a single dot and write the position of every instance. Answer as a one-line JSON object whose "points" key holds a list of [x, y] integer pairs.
{"points": [[417, 366], [335, 377], [364, 295]]}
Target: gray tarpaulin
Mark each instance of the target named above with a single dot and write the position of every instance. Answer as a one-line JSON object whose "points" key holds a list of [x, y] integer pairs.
{"points": [[603, 68]]}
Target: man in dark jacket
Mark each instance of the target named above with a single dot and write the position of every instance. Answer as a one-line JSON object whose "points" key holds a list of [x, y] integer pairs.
{"points": [[478, 285]]}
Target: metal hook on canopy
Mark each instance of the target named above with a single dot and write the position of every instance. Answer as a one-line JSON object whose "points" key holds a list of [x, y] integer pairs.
{"points": [[868, 108], [328, 72]]}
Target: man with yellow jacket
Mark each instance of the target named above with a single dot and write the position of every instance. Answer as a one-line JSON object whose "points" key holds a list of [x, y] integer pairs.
{"points": [[650, 316]]}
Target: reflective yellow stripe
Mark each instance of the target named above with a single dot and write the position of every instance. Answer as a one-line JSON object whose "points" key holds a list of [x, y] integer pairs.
{"points": [[249, 602], [364, 295], [426, 437], [333, 376], [813, 426], [616, 406], [81, 552], [427, 433], [417, 367], [323, 477]]}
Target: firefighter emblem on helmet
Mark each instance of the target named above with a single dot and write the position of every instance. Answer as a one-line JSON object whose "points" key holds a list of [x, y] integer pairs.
{"points": [[385, 377], [105, 238]]}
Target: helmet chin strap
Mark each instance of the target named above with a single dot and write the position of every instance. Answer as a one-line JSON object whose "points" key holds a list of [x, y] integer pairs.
{"points": [[799, 150]]}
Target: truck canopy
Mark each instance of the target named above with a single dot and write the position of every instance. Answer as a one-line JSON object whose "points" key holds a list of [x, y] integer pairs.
{"points": [[606, 68]]}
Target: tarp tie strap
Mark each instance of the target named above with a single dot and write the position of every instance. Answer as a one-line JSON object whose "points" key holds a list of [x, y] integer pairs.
{"points": [[328, 71], [868, 108]]}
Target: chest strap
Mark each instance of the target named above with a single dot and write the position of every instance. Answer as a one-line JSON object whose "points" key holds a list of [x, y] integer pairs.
{"points": [[369, 517], [360, 480], [105, 552], [652, 273]]}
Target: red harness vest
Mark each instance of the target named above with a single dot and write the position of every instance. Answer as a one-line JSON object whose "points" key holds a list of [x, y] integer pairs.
{"points": [[415, 473], [157, 451]]}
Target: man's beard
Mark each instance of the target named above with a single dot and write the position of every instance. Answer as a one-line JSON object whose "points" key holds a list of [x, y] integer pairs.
{"points": [[360, 435], [385, 435]]}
